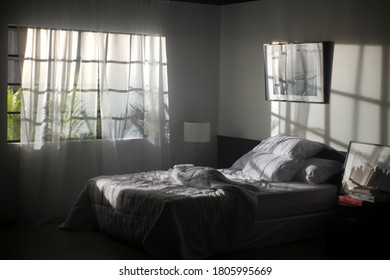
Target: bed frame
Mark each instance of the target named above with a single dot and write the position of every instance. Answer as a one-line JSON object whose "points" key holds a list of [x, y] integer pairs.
{"points": [[232, 148], [272, 232]]}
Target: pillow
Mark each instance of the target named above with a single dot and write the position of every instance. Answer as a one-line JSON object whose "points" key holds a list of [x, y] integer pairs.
{"points": [[289, 146], [317, 170], [240, 163], [271, 167]]}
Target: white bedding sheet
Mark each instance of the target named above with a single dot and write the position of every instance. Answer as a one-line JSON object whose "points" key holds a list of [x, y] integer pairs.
{"points": [[286, 199], [190, 212]]}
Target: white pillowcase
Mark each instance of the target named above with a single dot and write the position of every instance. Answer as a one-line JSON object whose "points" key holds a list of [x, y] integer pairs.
{"points": [[317, 170], [271, 167], [240, 163], [280, 157], [289, 146]]}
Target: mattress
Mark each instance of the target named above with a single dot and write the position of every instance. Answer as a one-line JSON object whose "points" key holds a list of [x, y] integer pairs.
{"points": [[295, 198], [287, 199], [287, 212]]}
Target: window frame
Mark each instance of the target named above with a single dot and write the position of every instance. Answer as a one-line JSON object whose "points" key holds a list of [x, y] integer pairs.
{"points": [[15, 86]]}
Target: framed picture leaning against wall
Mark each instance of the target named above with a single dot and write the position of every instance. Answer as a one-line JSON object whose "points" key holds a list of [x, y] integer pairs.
{"points": [[367, 165]]}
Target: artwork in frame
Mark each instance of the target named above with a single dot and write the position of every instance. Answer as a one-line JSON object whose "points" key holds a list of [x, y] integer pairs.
{"points": [[296, 72], [367, 165]]}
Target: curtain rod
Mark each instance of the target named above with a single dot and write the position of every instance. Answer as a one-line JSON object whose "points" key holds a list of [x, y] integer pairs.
{"points": [[16, 26]]}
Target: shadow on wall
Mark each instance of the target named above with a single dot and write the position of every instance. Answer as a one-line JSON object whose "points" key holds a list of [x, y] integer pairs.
{"points": [[359, 105]]}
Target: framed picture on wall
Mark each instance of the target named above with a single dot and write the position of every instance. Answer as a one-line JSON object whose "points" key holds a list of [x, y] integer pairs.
{"points": [[295, 72]]}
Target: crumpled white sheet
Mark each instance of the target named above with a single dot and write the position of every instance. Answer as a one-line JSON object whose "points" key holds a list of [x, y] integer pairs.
{"points": [[187, 212]]}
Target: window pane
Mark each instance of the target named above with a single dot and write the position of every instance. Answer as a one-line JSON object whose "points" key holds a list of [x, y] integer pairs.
{"points": [[13, 127], [117, 76], [136, 75], [88, 76], [13, 70], [118, 47], [12, 41], [13, 98]]}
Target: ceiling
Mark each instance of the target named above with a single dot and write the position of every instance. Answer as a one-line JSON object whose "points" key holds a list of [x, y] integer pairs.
{"points": [[215, 2]]}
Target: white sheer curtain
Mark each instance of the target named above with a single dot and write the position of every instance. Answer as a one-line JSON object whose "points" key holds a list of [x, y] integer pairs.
{"points": [[79, 86], [60, 92], [132, 87]]}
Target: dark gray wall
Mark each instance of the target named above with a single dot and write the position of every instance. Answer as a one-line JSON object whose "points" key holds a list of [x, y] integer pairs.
{"points": [[359, 107]]}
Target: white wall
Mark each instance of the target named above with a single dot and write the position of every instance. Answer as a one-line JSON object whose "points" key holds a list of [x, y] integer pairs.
{"points": [[359, 107], [192, 33], [193, 65]]}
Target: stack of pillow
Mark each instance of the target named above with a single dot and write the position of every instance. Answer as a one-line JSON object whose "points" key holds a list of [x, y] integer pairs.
{"points": [[288, 158]]}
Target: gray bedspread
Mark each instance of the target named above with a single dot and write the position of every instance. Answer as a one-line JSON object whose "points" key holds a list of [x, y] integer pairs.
{"points": [[186, 212]]}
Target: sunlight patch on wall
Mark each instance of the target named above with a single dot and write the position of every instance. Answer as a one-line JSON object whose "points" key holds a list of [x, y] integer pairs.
{"points": [[371, 72], [317, 125], [278, 124], [368, 122], [345, 65], [359, 107], [294, 119], [340, 109]]}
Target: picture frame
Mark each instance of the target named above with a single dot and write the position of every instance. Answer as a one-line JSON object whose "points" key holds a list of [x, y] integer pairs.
{"points": [[297, 72], [367, 165]]}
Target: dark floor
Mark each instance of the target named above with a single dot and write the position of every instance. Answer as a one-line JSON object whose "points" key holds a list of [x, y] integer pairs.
{"points": [[47, 242]]}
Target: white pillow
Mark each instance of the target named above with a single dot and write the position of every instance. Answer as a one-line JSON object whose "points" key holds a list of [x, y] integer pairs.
{"points": [[289, 146], [317, 170], [271, 167], [240, 163]]}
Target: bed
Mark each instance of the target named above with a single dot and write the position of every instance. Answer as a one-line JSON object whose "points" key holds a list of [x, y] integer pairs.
{"points": [[281, 190]]}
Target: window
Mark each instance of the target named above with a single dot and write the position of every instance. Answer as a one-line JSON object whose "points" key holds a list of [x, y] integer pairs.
{"points": [[13, 88], [77, 85]]}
